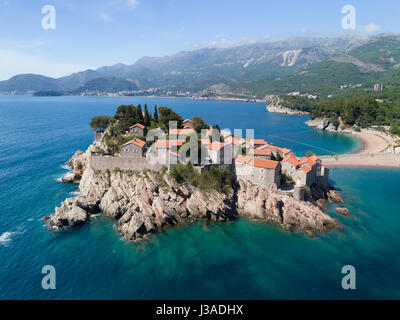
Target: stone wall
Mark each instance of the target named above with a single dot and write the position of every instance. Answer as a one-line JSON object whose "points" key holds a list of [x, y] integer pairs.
{"points": [[104, 163]]}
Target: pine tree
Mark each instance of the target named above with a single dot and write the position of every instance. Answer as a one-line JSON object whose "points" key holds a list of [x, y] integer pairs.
{"points": [[139, 114], [155, 114], [146, 116]]}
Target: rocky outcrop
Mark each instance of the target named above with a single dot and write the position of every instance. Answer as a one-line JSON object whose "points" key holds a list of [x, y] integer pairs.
{"points": [[277, 106], [322, 124], [73, 212], [144, 202], [266, 204], [79, 162]]}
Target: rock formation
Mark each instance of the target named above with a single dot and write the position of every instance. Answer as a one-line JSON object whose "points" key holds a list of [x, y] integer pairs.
{"points": [[144, 202], [322, 124], [276, 106]]}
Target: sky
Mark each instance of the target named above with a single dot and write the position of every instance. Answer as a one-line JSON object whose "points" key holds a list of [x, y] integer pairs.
{"points": [[95, 33]]}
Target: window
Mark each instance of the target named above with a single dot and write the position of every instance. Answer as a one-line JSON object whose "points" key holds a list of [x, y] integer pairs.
{"points": [[134, 150], [262, 177], [262, 170], [126, 150]]}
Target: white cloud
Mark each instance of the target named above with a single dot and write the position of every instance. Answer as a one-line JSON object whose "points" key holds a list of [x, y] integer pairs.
{"points": [[222, 42], [106, 12], [132, 4], [14, 62], [369, 28]]}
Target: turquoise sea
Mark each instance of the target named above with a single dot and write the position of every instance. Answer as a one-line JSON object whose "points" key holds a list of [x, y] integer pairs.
{"points": [[239, 260]]}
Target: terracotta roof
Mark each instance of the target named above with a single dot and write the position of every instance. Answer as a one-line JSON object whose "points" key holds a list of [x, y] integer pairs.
{"points": [[166, 144], [205, 141], [235, 140], [275, 148], [258, 141], [180, 131], [225, 133], [262, 152], [187, 120], [216, 145], [265, 164], [307, 160], [292, 159], [137, 125], [306, 169], [243, 159], [137, 142], [315, 158]]}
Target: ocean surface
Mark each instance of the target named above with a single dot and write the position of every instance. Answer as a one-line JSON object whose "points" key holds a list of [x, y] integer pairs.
{"points": [[238, 260]]}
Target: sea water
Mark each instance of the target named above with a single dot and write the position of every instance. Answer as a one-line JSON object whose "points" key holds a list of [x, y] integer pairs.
{"points": [[242, 259]]}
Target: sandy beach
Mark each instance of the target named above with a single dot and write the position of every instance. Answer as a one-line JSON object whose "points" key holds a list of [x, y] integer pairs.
{"points": [[376, 152]]}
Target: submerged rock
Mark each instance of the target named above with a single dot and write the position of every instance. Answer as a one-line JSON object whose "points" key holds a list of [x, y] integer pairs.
{"points": [[343, 211]]}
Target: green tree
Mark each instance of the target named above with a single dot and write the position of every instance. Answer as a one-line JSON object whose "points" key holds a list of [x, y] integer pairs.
{"points": [[167, 115], [309, 154], [394, 128], [146, 116], [100, 122], [139, 114], [198, 124], [155, 114]]}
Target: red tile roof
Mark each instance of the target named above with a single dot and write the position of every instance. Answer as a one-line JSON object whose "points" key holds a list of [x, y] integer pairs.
{"points": [[275, 148], [306, 169], [137, 125], [166, 144], [307, 160], [267, 153], [243, 159], [292, 159], [137, 142], [235, 140], [315, 158], [265, 164], [216, 145], [178, 132], [258, 141], [187, 120]]}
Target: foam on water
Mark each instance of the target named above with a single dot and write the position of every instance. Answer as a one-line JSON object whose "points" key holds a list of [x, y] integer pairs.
{"points": [[5, 238]]}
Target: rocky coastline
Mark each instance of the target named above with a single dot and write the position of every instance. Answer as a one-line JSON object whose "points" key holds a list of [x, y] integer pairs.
{"points": [[145, 202], [276, 106], [323, 124]]}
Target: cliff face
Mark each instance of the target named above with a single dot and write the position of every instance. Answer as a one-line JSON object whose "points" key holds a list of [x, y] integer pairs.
{"points": [[145, 202]]}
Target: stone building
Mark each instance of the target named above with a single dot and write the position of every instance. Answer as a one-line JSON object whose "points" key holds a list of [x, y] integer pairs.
{"points": [[262, 172], [133, 149], [308, 170], [137, 130]]}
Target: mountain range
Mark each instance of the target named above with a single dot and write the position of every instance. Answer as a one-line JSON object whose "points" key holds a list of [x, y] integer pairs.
{"points": [[313, 65]]}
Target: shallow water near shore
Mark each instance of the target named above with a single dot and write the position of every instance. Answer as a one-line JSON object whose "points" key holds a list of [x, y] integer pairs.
{"points": [[242, 259]]}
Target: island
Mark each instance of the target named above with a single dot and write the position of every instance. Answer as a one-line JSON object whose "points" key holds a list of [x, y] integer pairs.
{"points": [[149, 171]]}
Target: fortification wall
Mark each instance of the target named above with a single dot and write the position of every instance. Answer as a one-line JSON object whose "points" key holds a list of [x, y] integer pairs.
{"points": [[105, 162]]}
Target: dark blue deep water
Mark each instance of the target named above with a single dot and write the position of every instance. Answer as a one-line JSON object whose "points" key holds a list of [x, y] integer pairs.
{"points": [[243, 259]]}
